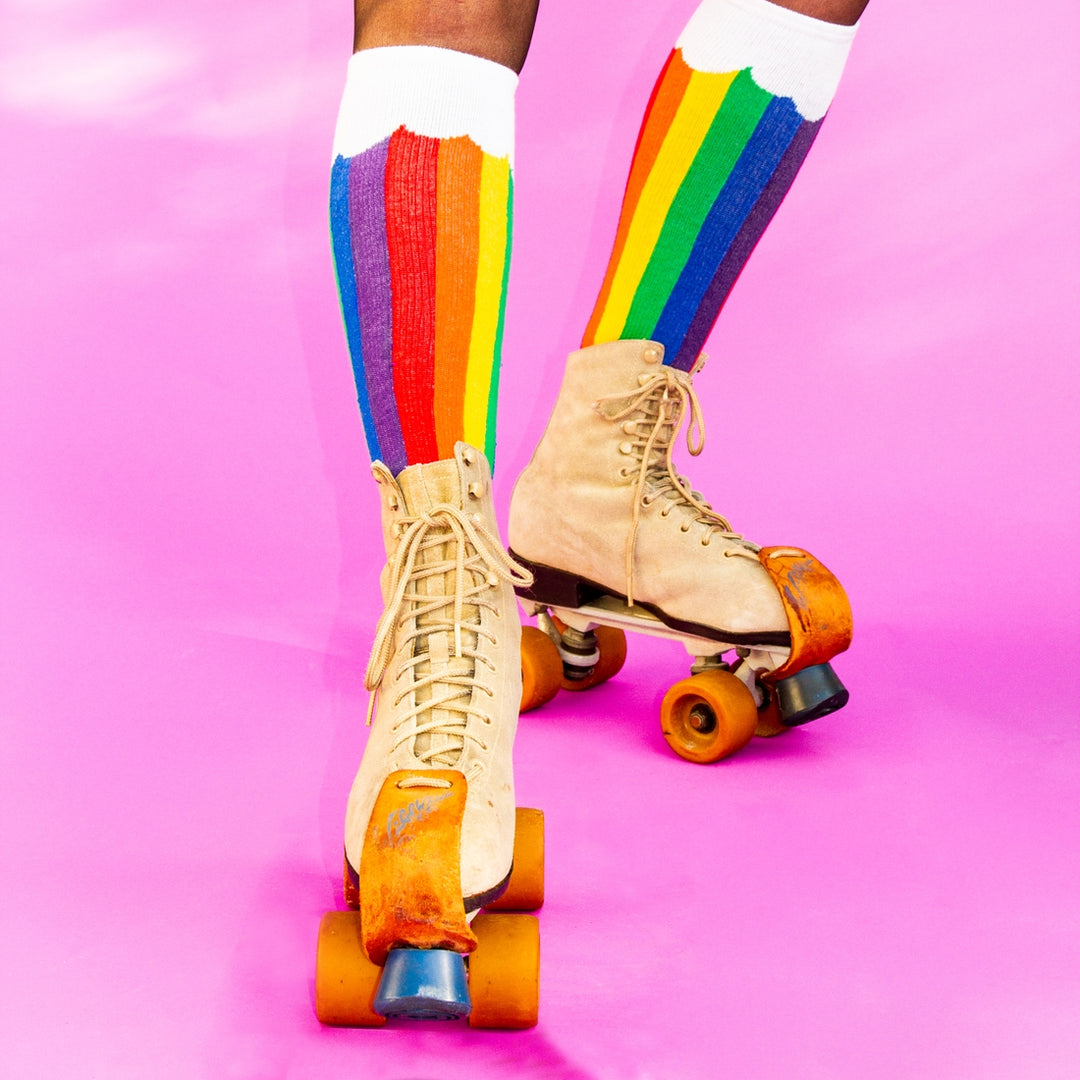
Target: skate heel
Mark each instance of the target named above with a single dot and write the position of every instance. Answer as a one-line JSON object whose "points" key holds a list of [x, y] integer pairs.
{"points": [[423, 984], [555, 588], [810, 694]]}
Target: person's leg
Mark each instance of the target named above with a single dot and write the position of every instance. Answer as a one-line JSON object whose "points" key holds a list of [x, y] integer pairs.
{"points": [[497, 30], [421, 212], [421, 194], [732, 116]]}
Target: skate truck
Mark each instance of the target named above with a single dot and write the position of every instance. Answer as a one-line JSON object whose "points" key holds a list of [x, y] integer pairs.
{"points": [[736, 688]]}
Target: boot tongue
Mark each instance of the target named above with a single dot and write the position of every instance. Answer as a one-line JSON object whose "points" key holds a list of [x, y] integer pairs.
{"points": [[423, 488]]}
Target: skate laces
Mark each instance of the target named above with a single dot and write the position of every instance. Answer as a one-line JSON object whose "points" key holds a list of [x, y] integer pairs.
{"points": [[666, 398], [440, 630]]}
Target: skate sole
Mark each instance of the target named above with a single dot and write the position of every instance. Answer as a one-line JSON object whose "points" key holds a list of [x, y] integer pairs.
{"points": [[562, 590]]}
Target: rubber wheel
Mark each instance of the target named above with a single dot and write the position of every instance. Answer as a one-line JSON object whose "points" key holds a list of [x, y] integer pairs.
{"points": [[768, 717], [504, 972], [541, 668], [708, 716], [526, 889], [345, 979], [611, 643]]}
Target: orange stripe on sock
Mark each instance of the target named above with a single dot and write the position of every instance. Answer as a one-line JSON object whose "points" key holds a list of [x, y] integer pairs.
{"points": [[666, 97], [456, 260]]}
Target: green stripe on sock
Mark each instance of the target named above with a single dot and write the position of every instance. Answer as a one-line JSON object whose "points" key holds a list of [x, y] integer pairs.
{"points": [[728, 134], [496, 365]]}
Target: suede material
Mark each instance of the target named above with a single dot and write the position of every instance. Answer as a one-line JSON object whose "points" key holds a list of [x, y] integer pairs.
{"points": [[487, 831], [572, 508]]}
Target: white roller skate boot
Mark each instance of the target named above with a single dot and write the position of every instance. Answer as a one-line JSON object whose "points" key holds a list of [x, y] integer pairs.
{"points": [[615, 537], [430, 824]]}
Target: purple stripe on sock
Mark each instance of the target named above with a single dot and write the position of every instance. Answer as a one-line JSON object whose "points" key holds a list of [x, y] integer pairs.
{"points": [[367, 215], [744, 243]]}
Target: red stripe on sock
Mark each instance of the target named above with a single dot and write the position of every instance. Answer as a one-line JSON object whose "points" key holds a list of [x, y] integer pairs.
{"points": [[411, 225]]}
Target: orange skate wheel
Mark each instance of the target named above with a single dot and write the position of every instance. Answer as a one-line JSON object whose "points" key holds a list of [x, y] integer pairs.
{"points": [[611, 642], [541, 668], [345, 979], [708, 716], [504, 972], [526, 889]]}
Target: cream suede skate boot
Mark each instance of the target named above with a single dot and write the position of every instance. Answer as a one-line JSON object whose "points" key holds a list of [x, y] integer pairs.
{"points": [[601, 501], [600, 515], [429, 830]]}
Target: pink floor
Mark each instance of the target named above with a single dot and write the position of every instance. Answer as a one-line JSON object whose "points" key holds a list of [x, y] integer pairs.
{"points": [[189, 566]]}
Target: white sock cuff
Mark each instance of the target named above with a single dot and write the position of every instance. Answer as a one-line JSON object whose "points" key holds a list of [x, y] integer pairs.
{"points": [[789, 54], [435, 92]]}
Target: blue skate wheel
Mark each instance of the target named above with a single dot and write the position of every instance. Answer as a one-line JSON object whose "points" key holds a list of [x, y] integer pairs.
{"points": [[423, 984], [810, 694]]}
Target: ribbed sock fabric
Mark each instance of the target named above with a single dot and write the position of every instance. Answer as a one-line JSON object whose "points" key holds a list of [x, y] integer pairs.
{"points": [[421, 197], [734, 112]]}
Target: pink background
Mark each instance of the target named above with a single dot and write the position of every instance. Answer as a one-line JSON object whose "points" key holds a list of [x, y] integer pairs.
{"points": [[190, 557]]}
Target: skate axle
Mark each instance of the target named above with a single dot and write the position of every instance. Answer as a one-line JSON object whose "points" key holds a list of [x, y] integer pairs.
{"points": [[709, 663], [580, 653], [702, 719]]}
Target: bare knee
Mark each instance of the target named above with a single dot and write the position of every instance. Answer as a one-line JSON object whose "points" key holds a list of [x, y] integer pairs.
{"points": [[842, 12], [498, 30]]}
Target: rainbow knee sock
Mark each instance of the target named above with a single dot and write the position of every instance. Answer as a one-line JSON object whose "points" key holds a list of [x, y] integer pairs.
{"points": [[421, 197], [733, 114]]}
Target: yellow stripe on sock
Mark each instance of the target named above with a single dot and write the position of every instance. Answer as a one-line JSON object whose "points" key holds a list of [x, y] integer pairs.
{"points": [[701, 101], [494, 189]]}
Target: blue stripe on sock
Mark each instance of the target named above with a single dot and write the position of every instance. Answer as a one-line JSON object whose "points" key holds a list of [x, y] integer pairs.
{"points": [[341, 243], [751, 173]]}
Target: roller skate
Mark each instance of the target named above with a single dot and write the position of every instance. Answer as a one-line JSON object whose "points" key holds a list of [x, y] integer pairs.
{"points": [[616, 540], [435, 850]]}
